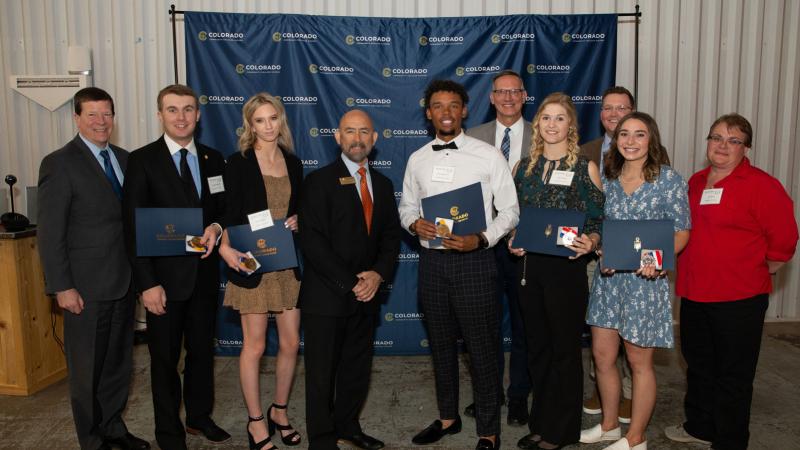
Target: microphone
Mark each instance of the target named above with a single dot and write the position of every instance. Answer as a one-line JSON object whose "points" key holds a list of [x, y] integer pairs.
{"points": [[11, 220]]}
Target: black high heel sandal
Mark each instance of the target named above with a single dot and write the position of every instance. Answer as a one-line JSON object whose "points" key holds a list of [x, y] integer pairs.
{"points": [[258, 445], [271, 425]]}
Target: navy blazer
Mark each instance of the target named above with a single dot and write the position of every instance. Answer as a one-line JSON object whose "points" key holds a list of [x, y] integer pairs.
{"points": [[246, 194]]}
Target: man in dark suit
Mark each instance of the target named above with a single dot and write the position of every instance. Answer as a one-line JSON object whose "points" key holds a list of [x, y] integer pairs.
{"points": [[350, 237], [179, 292], [617, 102], [511, 134], [83, 255]]}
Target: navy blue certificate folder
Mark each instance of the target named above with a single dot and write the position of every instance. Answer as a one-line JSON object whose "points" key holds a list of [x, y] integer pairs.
{"points": [[162, 231], [537, 231], [273, 246], [463, 205], [624, 240]]}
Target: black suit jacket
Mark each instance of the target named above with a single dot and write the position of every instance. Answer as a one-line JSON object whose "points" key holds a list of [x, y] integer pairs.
{"points": [[246, 194], [153, 181], [335, 243], [80, 231]]}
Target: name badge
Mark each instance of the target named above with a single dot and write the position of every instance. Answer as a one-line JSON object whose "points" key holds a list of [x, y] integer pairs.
{"points": [[562, 177], [260, 220], [347, 180], [443, 174], [711, 197], [215, 184]]}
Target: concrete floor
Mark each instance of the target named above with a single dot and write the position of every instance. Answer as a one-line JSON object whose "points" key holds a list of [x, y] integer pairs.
{"points": [[402, 401]]}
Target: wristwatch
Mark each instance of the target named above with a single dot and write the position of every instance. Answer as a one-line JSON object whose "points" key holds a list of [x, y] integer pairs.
{"points": [[482, 241]]}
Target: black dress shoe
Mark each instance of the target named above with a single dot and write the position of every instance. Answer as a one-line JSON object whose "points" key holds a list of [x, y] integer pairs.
{"points": [[128, 442], [469, 411], [517, 412], [486, 444], [364, 441], [529, 442], [211, 431], [434, 432]]}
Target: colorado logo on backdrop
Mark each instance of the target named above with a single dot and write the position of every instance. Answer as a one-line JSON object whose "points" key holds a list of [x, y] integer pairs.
{"points": [[299, 99], [294, 37], [368, 102], [221, 99], [408, 316], [368, 40], [513, 37], [582, 37], [242, 69], [330, 70], [220, 36], [322, 132], [586, 99], [405, 133], [405, 72], [548, 68], [441, 40], [476, 70]]}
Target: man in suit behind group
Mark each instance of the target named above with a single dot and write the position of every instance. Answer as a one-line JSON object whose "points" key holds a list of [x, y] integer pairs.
{"points": [[511, 134], [179, 292], [350, 237], [83, 256]]}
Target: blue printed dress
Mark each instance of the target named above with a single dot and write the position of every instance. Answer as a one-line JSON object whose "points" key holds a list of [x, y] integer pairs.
{"points": [[640, 309]]}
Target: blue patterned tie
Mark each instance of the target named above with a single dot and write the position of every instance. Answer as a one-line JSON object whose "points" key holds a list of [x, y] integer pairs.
{"points": [[505, 146], [112, 177]]}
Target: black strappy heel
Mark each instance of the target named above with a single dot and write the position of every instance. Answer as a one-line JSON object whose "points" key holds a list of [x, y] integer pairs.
{"points": [[289, 439], [258, 445]]}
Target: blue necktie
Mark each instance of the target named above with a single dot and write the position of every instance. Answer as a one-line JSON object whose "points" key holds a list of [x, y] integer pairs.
{"points": [[112, 177], [505, 146]]}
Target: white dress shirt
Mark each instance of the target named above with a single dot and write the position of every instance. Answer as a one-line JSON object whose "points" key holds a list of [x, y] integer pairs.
{"points": [[515, 154], [474, 161]]}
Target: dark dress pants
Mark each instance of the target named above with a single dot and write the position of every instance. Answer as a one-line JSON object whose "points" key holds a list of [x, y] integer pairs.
{"points": [[553, 303], [191, 323], [721, 342], [519, 386], [98, 344], [338, 361], [458, 295]]}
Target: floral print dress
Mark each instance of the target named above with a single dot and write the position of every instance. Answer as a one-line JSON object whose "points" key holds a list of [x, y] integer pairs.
{"points": [[639, 308]]}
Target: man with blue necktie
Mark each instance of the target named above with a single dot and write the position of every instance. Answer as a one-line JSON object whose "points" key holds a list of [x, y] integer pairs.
{"points": [[83, 256], [511, 134], [180, 293]]}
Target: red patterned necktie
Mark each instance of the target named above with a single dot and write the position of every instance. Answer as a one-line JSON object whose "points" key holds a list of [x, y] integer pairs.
{"points": [[366, 199]]}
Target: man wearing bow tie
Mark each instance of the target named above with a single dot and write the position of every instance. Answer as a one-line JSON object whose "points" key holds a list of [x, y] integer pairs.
{"points": [[458, 280]]}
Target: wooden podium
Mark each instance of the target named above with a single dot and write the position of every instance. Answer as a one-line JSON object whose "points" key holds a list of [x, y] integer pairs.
{"points": [[30, 356]]}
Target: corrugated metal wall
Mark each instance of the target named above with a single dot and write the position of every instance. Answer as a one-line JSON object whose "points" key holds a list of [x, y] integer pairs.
{"points": [[698, 60]]}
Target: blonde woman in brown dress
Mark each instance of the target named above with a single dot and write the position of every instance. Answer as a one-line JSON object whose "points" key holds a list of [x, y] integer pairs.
{"points": [[264, 174]]}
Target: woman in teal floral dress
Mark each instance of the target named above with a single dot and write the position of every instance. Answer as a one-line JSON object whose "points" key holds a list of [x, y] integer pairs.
{"points": [[634, 306], [553, 290]]}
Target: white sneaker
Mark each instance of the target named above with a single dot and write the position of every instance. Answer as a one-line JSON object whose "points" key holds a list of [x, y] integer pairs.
{"points": [[678, 434], [596, 434], [622, 444]]}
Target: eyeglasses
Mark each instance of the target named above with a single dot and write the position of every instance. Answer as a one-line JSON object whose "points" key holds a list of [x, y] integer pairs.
{"points": [[619, 108], [511, 92], [717, 139]]}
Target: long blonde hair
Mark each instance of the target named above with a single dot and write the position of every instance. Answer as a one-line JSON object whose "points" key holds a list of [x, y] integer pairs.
{"points": [[537, 143], [248, 137]]}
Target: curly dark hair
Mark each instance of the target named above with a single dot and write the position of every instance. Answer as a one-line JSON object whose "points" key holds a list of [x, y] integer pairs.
{"points": [[445, 86]]}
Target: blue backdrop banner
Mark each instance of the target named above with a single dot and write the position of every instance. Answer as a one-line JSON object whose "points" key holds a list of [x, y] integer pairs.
{"points": [[322, 66]]}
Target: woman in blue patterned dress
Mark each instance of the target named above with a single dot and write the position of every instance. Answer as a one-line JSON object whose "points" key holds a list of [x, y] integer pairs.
{"points": [[634, 306]]}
